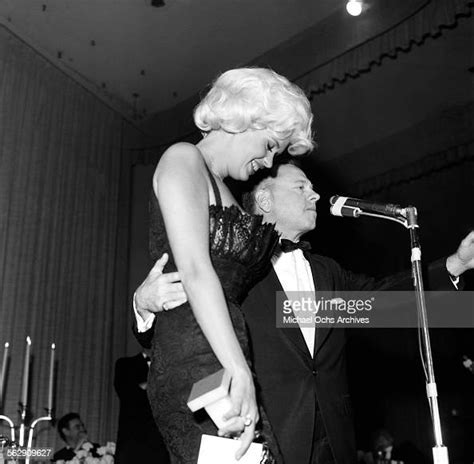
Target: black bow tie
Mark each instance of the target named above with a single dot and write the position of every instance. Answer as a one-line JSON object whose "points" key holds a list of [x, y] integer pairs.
{"points": [[287, 245]]}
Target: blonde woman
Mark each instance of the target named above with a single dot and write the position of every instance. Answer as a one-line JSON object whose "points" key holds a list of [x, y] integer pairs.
{"points": [[249, 116]]}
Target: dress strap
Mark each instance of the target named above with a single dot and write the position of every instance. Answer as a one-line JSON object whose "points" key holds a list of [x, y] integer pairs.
{"points": [[215, 188]]}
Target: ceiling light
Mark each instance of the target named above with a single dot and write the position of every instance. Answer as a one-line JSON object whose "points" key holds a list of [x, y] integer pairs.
{"points": [[354, 7]]}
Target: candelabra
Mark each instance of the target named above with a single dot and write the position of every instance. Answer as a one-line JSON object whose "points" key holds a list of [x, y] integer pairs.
{"points": [[23, 427]]}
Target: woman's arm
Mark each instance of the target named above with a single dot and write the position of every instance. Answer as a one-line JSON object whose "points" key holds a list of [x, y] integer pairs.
{"points": [[182, 191]]}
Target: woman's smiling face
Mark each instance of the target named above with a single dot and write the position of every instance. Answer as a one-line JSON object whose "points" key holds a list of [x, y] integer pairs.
{"points": [[252, 150]]}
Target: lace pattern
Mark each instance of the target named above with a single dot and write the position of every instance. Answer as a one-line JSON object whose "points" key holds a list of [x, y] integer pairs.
{"points": [[241, 246]]}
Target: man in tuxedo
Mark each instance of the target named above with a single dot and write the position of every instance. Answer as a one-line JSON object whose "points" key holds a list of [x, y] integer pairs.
{"points": [[301, 372], [138, 437], [72, 431]]}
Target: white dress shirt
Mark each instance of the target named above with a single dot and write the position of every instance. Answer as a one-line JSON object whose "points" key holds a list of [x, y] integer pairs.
{"points": [[142, 324], [294, 273]]}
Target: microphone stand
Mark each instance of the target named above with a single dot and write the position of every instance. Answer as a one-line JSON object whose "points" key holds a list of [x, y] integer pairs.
{"points": [[440, 452], [409, 219]]}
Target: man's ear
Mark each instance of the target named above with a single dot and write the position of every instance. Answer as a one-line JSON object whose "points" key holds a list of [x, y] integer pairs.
{"points": [[263, 200]]}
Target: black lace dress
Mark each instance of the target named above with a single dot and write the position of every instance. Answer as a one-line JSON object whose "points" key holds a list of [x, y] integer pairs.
{"points": [[240, 247]]}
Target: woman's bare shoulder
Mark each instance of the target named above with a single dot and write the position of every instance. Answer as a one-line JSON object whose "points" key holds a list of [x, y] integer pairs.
{"points": [[181, 164], [183, 155]]}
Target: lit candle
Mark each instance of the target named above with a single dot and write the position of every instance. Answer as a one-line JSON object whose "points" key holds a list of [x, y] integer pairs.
{"points": [[26, 373], [3, 372], [51, 378]]}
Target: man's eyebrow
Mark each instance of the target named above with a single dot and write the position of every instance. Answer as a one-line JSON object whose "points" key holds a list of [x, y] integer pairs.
{"points": [[306, 182]]}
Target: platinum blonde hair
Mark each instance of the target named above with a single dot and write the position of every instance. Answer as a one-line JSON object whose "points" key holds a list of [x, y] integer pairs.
{"points": [[258, 98]]}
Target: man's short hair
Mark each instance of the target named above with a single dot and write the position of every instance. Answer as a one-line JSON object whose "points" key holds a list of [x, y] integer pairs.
{"points": [[63, 423], [257, 180]]}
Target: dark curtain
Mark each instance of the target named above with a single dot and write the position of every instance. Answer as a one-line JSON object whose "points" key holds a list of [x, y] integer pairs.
{"points": [[387, 382], [63, 229]]}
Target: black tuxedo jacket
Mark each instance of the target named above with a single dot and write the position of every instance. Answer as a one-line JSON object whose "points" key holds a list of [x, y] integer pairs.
{"points": [[138, 438], [68, 454], [291, 383]]}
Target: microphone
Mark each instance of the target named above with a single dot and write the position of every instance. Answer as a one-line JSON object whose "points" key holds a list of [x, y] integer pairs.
{"points": [[353, 207]]}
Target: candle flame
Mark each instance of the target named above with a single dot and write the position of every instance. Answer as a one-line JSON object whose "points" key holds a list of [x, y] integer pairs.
{"points": [[53, 346], [7, 344], [28, 340]]}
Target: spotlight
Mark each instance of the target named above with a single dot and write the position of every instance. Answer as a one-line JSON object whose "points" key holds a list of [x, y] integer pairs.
{"points": [[157, 3], [354, 7]]}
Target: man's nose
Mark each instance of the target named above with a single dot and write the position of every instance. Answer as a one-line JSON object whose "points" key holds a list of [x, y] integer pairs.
{"points": [[314, 196]]}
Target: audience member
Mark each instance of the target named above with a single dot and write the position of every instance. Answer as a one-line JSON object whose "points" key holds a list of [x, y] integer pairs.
{"points": [[72, 431], [138, 438]]}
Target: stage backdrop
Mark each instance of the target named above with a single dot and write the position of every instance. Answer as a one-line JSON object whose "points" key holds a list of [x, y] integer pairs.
{"points": [[63, 240]]}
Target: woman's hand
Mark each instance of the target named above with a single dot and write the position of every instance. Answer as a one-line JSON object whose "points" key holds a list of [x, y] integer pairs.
{"points": [[243, 417]]}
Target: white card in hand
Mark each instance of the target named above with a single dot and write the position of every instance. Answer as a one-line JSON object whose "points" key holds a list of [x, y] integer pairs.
{"points": [[218, 450]]}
